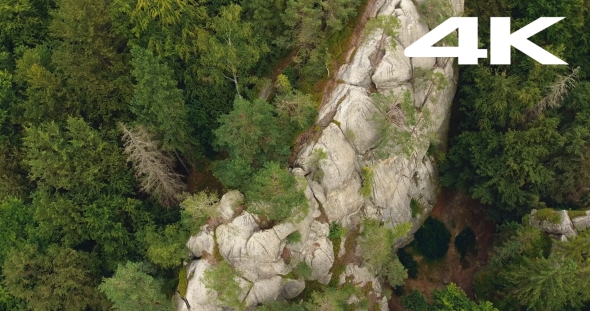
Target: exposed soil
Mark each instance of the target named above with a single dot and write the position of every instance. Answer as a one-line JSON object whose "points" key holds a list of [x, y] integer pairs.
{"points": [[457, 211]]}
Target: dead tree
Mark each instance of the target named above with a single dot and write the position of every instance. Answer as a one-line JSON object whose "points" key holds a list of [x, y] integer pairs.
{"points": [[153, 168]]}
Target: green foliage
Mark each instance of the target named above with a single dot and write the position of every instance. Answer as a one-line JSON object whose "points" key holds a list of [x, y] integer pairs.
{"points": [[276, 194], [158, 103], [329, 299], [221, 279], [296, 110], [55, 279], [16, 222], [435, 12], [336, 231], [399, 124], [536, 279], [229, 48], [549, 215], [367, 188], [527, 267], [407, 260], [83, 190], [277, 305], [294, 237], [454, 298], [465, 241], [416, 208], [390, 25], [303, 270], [166, 246], [252, 136], [450, 298], [430, 81], [132, 288], [376, 242], [414, 301], [574, 214], [433, 239], [182, 282], [524, 126], [197, 208]]}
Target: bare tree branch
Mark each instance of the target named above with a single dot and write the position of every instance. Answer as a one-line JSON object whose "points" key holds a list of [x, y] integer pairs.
{"points": [[153, 168], [556, 94]]}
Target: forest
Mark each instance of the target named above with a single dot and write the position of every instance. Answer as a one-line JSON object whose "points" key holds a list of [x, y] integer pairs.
{"points": [[110, 108]]}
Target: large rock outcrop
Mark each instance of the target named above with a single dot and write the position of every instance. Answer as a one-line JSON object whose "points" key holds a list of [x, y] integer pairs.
{"points": [[263, 258]]}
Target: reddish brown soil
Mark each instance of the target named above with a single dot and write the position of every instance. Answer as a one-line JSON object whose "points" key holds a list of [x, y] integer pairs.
{"points": [[458, 211], [201, 179]]}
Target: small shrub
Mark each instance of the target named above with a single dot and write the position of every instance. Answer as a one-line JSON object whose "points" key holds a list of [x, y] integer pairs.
{"points": [[367, 188], [302, 270], [431, 149], [336, 231], [414, 301], [221, 279], [465, 241], [376, 243], [407, 260], [416, 208], [294, 237], [274, 193], [317, 156], [433, 239], [196, 209], [549, 215]]}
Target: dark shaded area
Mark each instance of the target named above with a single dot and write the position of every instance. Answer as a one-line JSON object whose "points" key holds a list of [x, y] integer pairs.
{"points": [[433, 239]]}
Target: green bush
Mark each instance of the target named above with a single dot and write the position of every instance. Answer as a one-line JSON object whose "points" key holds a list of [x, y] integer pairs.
{"points": [[367, 188], [465, 241], [336, 231], [408, 262], [416, 208], [274, 193], [302, 270], [433, 239], [294, 237], [549, 215], [221, 279], [414, 301]]}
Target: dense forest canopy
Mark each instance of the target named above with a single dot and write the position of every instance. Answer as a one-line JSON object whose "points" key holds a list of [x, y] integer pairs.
{"points": [[524, 135], [106, 106]]}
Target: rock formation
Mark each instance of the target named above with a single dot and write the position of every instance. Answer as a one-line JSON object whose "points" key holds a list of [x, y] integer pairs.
{"points": [[263, 257], [565, 228]]}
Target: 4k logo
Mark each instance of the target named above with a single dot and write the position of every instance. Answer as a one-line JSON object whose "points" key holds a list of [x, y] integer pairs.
{"points": [[500, 40]]}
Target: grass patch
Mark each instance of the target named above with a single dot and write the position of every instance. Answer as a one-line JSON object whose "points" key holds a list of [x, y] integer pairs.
{"points": [[574, 214], [294, 237], [433, 239], [367, 175], [549, 215], [182, 282]]}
